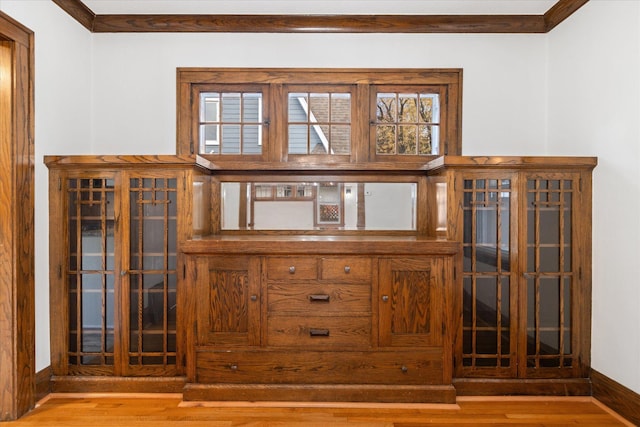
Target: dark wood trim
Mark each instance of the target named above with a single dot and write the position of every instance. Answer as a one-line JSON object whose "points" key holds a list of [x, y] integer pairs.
{"points": [[522, 387], [320, 23], [17, 291], [109, 23], [561, 11], [624, 401], [78, 11], [43, 382]]}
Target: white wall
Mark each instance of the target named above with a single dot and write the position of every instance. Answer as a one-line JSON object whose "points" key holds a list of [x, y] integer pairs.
{"points": [[594, 108], [504, 79], [62, 124]]}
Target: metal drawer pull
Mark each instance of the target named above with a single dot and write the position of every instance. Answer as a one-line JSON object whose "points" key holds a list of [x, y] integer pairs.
{"points": [[347, 269], [318, 332], [233, 367], [292, 269], [385, 298], [254, 297], [404, 369], [319, 298]]}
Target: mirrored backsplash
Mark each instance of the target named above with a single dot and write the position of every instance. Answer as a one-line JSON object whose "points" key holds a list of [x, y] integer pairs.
{"points": [[319, 205]]}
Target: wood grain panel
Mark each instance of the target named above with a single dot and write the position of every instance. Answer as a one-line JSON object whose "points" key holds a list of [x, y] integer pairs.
{"points": [[319, 332], [318, 298], [17, 299], [320, 367]]}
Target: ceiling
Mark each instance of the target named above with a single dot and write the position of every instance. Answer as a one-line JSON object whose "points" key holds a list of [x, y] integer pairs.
{"points": [[346, 16]]}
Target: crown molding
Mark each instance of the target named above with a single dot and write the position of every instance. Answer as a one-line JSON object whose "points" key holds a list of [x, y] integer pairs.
{"points": [[154, 23]]}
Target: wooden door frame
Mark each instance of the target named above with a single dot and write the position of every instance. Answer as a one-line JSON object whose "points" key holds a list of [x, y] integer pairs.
{"points": [[17, 289]]}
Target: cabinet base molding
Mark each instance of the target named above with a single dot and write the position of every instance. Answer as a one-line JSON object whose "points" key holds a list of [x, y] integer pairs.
{"points": [[94, 384], [530, 387], [321, 393]]}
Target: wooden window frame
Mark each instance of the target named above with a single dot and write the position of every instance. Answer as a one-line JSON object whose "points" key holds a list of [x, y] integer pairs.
{"points": [[362, 84]]}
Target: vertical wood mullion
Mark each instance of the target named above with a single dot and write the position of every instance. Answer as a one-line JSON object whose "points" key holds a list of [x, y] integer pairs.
{"points": [[474, 293], [561, 214], [537, 273], [498, 275], [79, 330], [103, 273], [140, 250], [165, 275]]}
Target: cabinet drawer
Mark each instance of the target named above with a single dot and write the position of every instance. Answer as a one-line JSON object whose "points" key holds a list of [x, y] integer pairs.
{"points": [[318, 298], [320, 367], [285, 268], [346, 269], [319, 331]]}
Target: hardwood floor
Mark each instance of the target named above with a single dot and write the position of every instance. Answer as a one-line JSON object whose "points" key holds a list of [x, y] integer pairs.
{"points": [[160, 410]]}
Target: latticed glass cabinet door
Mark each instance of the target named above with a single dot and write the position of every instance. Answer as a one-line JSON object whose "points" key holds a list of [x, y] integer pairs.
{"points": [[522, 282], [152, 285], [552, 276], [489, 314], [116, 284], [91, 274]]}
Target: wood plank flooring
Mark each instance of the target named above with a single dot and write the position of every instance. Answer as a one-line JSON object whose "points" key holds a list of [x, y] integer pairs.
{"points": [[161, 410]]}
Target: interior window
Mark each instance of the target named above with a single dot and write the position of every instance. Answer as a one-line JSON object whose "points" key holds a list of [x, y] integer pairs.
{"points": [[319, 117], [230, 123]]}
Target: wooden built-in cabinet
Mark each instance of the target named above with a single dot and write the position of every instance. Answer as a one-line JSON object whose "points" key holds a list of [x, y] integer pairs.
{"points": [[525, 287], [464, 275], [116, 224], [354, 318]]}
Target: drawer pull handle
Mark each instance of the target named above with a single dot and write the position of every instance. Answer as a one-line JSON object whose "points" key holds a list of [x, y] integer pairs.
{"points": [[319, 298], [347, 269], [385, 298], [254, 297], [404, 369], [233, 367], [292, 269], [318, 332]]}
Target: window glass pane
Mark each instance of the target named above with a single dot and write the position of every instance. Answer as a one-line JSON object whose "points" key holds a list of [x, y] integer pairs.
{"points": [[210, 107], [386, 108], [319, 107], [230, 139], [406, 140], [407, 124], [386, 139], [341, 139], [222, 115], [252, 138], [230, 107], [341, 107], [408, 108], [252, 107], [298, 139], [319, 123]]}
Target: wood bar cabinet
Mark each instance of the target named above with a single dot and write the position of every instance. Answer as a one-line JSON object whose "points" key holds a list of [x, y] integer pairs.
{"points": [[382, 282]]}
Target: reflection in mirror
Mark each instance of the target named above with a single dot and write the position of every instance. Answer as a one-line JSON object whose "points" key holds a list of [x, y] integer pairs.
{"points": [[318, 206]]}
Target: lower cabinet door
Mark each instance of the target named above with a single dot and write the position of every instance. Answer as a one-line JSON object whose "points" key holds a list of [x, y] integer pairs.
{"points": [[228, 301], [412, 302]]}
